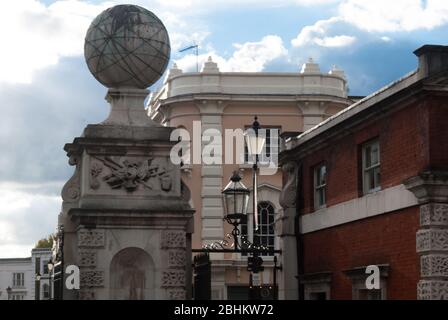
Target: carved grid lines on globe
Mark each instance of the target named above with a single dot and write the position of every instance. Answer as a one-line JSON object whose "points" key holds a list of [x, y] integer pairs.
{"points": [[121, 57]]}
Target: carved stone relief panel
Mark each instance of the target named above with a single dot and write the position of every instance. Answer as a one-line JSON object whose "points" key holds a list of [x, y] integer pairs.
{"points": [[432, 290], [177, 259], [432, 239], [94, 278], [132, 174], [87, 258], [173, 278], [173, 239], [176, 294], [91, 238], [434, 214], [434, 265]]}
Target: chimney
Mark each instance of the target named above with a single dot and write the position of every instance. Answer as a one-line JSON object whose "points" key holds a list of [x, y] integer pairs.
{"points": [[432, 59]]}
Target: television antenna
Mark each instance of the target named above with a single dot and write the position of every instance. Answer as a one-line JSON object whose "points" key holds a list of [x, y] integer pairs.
{"points": [[195, 46]]}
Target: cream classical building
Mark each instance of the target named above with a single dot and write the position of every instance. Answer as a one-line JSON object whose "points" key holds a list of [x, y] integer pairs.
{"points": [[289, 102]]}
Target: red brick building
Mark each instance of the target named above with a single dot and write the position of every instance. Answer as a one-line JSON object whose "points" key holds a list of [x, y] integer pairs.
{"points": [[369, 186]]}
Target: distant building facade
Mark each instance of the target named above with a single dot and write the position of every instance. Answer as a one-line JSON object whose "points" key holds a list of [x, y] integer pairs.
{"points": [[370, 187], [20, 276], [230, 100]]}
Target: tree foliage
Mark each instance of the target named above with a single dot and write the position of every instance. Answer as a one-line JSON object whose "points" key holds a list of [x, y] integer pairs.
{"points": [[45, 242]]}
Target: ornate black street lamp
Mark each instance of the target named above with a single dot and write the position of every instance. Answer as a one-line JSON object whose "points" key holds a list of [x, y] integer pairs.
{"points": [[236, 199]]}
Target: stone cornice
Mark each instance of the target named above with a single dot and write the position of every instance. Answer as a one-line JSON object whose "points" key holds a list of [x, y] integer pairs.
{"points": [[254, 98], [429, 186]]}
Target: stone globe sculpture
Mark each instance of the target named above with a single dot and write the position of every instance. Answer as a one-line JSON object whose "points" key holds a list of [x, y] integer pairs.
{"points": [[127, 46]]}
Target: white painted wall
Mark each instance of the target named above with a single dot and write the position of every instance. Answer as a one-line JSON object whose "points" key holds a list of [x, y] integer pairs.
{"points": [[10, 266]]}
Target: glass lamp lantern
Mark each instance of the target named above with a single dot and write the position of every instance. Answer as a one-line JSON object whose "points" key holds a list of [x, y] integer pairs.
{"points": [[235, 198], [255, 142]]}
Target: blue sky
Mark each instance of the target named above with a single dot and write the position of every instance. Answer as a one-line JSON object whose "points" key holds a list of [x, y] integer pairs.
{"points": [[47, 95]]}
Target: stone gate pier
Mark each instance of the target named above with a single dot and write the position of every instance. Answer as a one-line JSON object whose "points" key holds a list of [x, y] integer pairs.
{"points": [[126, 214]]}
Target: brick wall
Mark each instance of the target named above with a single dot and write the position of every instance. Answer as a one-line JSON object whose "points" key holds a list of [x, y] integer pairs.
{"points": [[404, 150], [438, 132], [386, 239]]}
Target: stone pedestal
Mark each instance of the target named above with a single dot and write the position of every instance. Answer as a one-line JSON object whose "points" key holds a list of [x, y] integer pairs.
{"points": [[125, 212], [431, 189]]}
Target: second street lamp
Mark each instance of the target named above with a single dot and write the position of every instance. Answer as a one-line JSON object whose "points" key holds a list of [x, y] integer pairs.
{"points": [[235, 199]]}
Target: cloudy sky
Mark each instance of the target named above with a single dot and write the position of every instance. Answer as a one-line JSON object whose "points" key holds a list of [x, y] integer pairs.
{"points": [[47, 95]]}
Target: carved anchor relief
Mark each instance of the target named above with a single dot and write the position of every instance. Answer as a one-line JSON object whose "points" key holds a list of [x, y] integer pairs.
{"points": [[129, 174]]}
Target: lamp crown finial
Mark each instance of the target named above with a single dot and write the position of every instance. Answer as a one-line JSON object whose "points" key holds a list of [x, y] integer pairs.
{"points": [[235, 176]]}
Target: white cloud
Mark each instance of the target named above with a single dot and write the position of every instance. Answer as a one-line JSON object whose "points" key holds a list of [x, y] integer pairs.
{"points": [[28, 214], [396, 15], [248, 57], [207, 5], [36, 36], [317, 34], [336, 41]]}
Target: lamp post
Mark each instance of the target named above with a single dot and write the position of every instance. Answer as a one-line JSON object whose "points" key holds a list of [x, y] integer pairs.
{"points": [[50, 266], [255, 144], [37, 287], [8, 290], [235, 200]]}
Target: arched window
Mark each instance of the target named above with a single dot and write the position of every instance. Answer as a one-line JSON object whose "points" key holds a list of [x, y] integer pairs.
{"points": [[265, 234], [46, 290]]}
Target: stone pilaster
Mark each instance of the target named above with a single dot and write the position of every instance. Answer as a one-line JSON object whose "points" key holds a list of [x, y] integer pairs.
{"points": [[431, 190], [285, 228]]}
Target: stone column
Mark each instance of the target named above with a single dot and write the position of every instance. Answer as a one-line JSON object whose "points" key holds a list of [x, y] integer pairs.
{"points": [[431, 190], [286, 229]]}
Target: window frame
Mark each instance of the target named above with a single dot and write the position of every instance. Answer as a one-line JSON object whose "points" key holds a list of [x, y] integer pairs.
{"points": [[244, 228], [367, 170], [18, 279], [317, 188]]}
